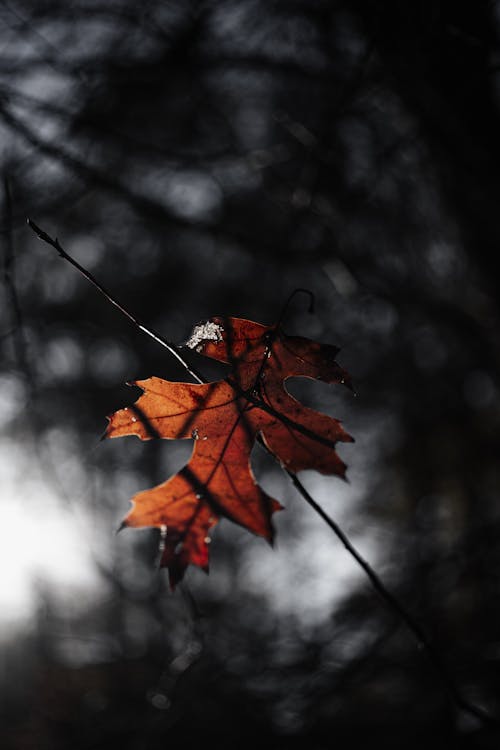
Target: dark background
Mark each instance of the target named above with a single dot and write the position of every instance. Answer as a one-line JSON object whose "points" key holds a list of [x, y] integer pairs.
{"points": [[206, 158]]}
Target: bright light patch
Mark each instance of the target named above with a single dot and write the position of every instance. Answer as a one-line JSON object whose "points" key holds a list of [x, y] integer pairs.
{"points": [[41, 538], [311, 571]]}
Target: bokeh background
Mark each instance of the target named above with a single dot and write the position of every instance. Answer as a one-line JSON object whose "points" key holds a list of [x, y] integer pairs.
{"points": [[207, 158]]}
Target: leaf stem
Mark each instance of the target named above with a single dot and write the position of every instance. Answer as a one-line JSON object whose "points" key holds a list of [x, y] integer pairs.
{"points": [[390, 600], [287, 304]]}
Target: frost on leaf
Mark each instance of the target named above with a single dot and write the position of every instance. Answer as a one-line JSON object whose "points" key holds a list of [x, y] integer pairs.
{"points": [[204, 332], [225, 418]]}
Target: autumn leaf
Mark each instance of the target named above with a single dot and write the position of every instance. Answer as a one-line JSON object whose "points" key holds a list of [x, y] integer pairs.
{"points": [[225, 418]]}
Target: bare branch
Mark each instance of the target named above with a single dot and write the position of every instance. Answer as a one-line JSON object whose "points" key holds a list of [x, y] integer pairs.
{"points": [[172, 348], [393, 604]]}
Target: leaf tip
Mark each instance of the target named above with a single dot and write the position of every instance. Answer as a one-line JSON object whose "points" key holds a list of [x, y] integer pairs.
{"points": [[347, 382], [343, 475], [122, 526], [104, 435]]}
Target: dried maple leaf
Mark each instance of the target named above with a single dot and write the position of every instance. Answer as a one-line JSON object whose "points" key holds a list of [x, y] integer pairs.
{"points": [[225, 418]]}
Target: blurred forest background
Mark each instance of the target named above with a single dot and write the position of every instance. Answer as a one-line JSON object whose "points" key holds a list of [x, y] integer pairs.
{"points": [[206, 158]]}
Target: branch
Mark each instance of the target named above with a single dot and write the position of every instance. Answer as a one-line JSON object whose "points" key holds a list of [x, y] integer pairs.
{"points": [[393, 603], [389, 599], [172, 348]]}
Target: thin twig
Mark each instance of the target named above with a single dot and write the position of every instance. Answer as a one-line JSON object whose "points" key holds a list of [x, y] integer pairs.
{"points": [[393, 603], [390, 600], [172, 348], [293, 294]]}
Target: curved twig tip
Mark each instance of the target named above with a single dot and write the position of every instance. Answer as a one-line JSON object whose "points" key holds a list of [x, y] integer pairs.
{"points": [[293, 294]]}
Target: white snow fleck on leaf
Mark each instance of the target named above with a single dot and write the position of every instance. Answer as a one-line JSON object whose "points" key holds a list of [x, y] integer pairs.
{"points": [[208, 331]]}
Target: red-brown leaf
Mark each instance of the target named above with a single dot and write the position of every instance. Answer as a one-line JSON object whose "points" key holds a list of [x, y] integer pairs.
{"points": [[225, 418]]}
